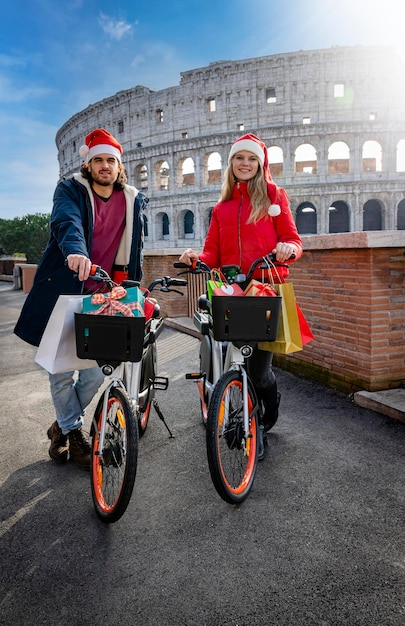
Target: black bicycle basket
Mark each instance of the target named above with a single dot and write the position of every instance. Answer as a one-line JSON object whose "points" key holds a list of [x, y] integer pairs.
{"points": [[109, 338], [245, 318]]}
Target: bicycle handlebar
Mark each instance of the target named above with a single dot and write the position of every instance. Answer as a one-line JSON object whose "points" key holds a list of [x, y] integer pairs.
{"points": [[199, 267], [98, 274]]}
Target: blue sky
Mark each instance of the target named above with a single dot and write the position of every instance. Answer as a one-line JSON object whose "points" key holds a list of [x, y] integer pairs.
{"points": [[56, 59]]}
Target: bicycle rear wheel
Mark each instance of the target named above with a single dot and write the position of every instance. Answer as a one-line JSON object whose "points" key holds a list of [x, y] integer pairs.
{"points": [[232, 453], [113, 469]]}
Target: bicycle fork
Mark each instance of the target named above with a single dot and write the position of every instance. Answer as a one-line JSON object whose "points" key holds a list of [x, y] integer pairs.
{"points": [[115, 381], [235, 359]]}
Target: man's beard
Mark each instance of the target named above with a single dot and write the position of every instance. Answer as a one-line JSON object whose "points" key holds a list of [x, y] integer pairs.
{"points": [[102, 181]]}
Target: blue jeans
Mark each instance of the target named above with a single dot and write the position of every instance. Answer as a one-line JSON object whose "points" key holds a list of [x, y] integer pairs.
{"points": [[70, 397]]}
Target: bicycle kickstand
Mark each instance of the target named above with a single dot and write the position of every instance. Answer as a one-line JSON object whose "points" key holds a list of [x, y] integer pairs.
{"points": [[160, 414]]}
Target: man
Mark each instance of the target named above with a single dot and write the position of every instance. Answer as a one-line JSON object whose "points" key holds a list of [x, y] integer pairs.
{"points": [[96, 218]]}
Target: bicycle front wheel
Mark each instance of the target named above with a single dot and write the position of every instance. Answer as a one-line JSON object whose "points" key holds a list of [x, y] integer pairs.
{"points": [[113, 469], [232, 453]]}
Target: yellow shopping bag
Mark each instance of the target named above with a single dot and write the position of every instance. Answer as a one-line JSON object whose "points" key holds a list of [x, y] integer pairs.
{"points": [[289, 335]]}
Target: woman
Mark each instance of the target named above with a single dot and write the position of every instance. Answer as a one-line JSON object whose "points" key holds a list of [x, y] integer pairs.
{"points": [[252, 219]]}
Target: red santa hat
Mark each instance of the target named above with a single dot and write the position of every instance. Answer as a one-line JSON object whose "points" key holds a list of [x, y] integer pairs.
{"points": [[254, 144], [100, 141]]}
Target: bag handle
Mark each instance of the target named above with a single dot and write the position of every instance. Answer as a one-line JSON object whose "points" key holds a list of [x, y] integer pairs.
{"points": [[218, 278], [270, 268]]}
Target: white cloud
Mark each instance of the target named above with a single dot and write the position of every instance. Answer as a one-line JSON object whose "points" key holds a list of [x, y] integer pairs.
{"points": [[113, 28]]}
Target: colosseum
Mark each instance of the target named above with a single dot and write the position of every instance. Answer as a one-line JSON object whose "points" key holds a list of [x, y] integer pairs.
{"points": [[333, 120]]}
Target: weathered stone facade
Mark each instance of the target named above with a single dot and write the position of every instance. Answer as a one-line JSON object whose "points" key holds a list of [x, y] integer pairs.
{"points": [[334, 121]]}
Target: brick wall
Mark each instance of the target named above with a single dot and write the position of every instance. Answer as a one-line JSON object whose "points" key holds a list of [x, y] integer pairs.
{"points": [[156, 265], [351, 288]]}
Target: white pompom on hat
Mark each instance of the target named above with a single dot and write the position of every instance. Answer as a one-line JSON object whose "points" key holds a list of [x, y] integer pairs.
{"points": [[100, 141]]}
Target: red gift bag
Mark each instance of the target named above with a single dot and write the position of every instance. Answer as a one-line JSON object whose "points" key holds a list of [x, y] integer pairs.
{"points": [[306, 333]]}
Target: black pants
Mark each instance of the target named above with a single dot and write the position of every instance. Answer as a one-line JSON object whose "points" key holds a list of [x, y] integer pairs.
{"points": [[260, 370]]}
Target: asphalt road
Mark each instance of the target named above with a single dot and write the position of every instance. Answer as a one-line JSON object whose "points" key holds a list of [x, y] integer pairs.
{"points": [[320, 540]]}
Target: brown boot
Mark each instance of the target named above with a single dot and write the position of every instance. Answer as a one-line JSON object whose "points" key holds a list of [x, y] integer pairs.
{"points": [[80, 451], [58, 450]]}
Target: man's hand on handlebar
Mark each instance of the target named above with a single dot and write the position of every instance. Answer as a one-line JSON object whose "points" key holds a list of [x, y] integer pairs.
{"points": [[188, 257], [79, 264]]}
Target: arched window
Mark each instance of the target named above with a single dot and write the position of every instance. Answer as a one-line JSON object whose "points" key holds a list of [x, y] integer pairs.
{"points": [[339, 217], [141, 177], [276, 160], [401, 215], [306, 219], [372, 215], [165, 226], [163, 176], [401, 156], [187, 170], [372, 156], [189, 225], [305, 159], [214, 168], [145, 226], [338, 158]]}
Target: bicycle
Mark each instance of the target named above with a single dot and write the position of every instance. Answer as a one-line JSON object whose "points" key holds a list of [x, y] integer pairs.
{"points": [[230, 327], [125, 349]]}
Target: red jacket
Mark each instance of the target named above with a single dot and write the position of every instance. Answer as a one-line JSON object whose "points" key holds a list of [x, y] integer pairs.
{"points": [[231, 241]]}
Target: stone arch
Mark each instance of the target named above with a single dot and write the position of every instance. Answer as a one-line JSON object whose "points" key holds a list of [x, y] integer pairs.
{"points": [[338, 158], [141, 177], [162, 226], [186, 223], [400, 165], [276, 161], [162, 174], [305, 219], [212, 170], [372, 156], [372, 215], [185, 172], [339, 220], [305, 159], [401, 215]]}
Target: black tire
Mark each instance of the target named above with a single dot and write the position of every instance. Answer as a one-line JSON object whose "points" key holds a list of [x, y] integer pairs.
{"points": [[232, 457], [113, 472], [143, 419], [147, 374], [205, 359]]}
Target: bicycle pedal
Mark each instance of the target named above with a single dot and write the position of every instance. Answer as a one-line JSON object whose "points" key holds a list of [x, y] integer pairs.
{"points": [[160, 383], [194, 376]]}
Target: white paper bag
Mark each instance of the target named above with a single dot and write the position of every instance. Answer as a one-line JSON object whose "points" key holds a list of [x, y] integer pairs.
{"points": [[57, 351]]}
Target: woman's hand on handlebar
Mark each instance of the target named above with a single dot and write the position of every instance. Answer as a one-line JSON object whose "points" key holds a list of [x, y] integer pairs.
{"points": [[285, 251], [188, 257], [79, 264]]}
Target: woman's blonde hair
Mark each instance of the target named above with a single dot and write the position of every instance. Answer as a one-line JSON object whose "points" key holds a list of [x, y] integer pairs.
{"points": [[257, 190]]}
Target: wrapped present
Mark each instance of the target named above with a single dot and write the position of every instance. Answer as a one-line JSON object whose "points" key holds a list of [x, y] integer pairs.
{"points": [[119, 301], [256, 288]]}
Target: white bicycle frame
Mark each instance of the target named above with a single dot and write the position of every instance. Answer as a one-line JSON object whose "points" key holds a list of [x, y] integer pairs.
{"points": [[127, 376], [234, 360]]}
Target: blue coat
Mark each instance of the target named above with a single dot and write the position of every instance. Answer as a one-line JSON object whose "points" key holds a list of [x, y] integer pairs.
{"points": [[71, 233]]}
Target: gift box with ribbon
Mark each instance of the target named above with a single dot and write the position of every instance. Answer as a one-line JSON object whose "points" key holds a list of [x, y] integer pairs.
{"points": [[256, 288], [119, 301]]}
